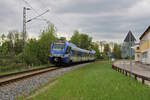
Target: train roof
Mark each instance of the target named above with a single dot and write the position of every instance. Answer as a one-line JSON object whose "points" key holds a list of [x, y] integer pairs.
{"points": [[92, 52], [74, 47]]}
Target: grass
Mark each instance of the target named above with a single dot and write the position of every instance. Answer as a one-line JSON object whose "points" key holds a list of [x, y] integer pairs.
{"points": [[96, 81], [9, 64]]}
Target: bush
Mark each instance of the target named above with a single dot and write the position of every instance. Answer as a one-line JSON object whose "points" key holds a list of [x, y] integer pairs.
{"points": [[47, 37], [31, 52], [11, 67], [19, 58]]}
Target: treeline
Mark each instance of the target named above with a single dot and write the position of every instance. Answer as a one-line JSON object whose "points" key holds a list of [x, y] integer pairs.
{"points": [[113, 51], [84, 41], [30, 52], [36, 51], [12, 44]]}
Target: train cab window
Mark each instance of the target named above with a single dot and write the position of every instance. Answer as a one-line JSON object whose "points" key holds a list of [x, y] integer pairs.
{"points": [[68, 50], [58, 46]]}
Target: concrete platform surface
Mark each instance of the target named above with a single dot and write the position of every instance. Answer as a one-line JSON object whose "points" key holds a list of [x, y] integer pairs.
{"points": [[137, 68]]}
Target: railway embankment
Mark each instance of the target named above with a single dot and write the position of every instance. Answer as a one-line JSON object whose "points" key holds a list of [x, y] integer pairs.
{"points": [[25, 86], [96, 81]]}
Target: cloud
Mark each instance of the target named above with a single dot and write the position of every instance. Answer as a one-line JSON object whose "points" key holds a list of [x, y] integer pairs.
{"points": [[101, 19], [95, 6]]}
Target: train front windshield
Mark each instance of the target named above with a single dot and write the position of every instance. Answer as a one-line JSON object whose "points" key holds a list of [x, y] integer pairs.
{"points": [[58, 46]]}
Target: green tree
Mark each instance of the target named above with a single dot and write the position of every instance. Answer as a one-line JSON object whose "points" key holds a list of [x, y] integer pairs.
{"points": [[3, 45], [10, 38], [95, 47], [18, 46], [106, 51], [117, 51], [3, 36], [18, 42], [81, 40], [4, 48], [85, 41], [106, 48], [48, 36], [16, 36], [31, 52], [76, 38], [13, 38]]}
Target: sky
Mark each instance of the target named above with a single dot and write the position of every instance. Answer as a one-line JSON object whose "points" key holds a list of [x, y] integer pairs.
{"points": [[108, 20]]}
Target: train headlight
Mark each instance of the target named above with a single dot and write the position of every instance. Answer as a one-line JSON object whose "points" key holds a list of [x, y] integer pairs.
{"points": [[56, 59]]}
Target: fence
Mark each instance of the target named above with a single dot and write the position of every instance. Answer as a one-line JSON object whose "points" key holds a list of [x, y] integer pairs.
{"points": [[135, 75]]}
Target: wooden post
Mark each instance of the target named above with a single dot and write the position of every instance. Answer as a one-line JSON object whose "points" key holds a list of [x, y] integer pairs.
{"points": [[123, 71], [135, 76], [126, 73], [142, 80]]}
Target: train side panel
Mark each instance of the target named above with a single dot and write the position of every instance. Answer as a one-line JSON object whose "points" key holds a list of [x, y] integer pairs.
{"points": [[69, 54]]}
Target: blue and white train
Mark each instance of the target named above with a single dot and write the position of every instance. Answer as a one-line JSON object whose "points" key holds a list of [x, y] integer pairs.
{"points": [[64, 53]]}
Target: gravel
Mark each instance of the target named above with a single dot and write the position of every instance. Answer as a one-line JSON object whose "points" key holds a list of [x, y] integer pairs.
{"points": [[26, 86]]}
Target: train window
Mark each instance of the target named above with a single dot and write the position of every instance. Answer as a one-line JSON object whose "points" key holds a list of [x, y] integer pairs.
{"points": [[58, 46], [82, 54], [79, 53], [68, 50], [73, 52], [76, 53]]}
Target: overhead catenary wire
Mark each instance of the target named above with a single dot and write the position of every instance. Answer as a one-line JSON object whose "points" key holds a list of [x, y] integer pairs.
{"points": [[37, 16], [31, 7], [42, 18], [47, 21], [55, 16], [58, 19]]}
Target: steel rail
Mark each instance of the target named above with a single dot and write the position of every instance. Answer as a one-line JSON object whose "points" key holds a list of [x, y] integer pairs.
{"points": [[21, 72], [6, 79]]}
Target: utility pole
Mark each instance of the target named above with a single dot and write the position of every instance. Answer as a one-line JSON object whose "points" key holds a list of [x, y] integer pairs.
{"points": [[24, 29], [24, 35], [130, 53], [24, 24], [130, 39]]}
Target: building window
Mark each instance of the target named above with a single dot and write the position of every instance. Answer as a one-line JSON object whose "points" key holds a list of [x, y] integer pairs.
{"points": [[137, 48], [145, 55]]}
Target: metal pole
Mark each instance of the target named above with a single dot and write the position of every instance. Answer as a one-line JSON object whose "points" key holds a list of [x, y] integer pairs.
{"points": [[24, 30], [123, 56], [130, 41], [24, 25]]}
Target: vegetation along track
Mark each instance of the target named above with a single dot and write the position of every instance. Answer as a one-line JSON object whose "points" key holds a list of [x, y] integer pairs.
{"points": [[6, 79]]}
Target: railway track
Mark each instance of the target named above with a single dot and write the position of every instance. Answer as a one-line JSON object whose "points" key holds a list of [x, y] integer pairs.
{"points": [[6, 79], [23, 83]]}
